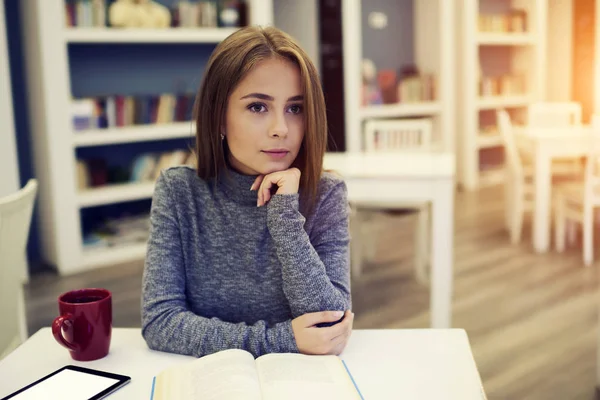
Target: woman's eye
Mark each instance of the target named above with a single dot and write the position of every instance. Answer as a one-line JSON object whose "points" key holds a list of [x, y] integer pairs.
{"points": [[296, 109], [257, 107]]}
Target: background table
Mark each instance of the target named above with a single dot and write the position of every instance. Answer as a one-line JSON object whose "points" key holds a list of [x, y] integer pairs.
{"points": [[547, 144], [408, 178], [386, 364]]}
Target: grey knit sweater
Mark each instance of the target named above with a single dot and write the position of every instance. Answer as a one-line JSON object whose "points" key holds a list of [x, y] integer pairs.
{"points": [[221, 273]]}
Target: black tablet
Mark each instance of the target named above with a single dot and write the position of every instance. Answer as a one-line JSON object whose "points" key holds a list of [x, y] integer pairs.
{"points": [[72, 383]]}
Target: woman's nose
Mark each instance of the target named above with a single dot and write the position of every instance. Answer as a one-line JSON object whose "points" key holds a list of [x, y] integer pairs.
{"points": [[279, 126]]}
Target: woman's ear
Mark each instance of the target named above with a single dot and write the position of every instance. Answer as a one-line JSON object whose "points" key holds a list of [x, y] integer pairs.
{"points": [[223, 129]]}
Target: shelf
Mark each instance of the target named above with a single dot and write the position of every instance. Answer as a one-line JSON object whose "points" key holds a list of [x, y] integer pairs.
{"points": [[100, 256], [505, 39], [116, 193], [485, 103], [131, 134], [141, 35], [492, 176], [486, 141], [400, 110]]}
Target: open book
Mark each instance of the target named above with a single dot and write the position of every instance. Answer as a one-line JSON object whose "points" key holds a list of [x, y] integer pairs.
{"points": [[235, 374]]}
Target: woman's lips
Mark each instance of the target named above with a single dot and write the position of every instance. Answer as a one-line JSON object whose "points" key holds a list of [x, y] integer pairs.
{"points": [[276, 153]]}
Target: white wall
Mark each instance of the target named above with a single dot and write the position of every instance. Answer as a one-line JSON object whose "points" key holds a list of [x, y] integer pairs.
{"points": [[597, 74], [9, 176], [300, 18], [560, 49]]}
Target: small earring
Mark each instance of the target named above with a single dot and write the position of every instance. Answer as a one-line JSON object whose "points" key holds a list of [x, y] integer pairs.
{"points": [[222, 136]]}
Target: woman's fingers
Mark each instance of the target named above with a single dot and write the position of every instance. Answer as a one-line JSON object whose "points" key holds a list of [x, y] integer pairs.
{"points": [[265, 191], [286, 181], [257, 182], [311, 319]]}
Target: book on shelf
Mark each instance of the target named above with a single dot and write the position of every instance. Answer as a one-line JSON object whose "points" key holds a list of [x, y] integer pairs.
{"points": [[167, 160], [186, 14], [416, 89], [386, 86], [119, 231], [145, 167], [235, 373], [85, 13], [515, 21], [504, 85], [122, 111]]}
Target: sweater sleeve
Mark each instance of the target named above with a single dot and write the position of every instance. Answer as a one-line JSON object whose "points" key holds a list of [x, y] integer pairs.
{"points": [[167, 323], [315, 269]]}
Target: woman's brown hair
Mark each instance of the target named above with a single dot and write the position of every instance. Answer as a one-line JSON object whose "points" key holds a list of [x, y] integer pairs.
{"points": [[231, 60]]}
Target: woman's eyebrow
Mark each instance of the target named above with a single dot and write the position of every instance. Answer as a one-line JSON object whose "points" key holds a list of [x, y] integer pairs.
{"points": [[263, 96]]}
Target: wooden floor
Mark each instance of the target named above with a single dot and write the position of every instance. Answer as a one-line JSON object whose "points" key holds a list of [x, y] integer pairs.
{"points": [[531, 319]]}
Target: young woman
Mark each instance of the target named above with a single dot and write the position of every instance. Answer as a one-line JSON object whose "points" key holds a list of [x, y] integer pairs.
{"points": [[250, 250]]}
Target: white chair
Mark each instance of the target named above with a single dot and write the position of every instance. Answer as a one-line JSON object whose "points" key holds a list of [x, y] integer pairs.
{"points": [[15, 219], [577, 201], [519, 179], [399, 136]]}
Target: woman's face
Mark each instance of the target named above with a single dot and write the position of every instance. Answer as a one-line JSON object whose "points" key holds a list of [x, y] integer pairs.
{"points": [[264, 123]]}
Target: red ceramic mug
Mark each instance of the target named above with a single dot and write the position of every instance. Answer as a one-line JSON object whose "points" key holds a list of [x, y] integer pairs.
{"points": [[85, 323]]}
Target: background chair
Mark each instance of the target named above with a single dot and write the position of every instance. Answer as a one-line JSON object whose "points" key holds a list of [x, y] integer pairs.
{"points": [[398, 136], [15, 219], [576, 202], [518, 186]]}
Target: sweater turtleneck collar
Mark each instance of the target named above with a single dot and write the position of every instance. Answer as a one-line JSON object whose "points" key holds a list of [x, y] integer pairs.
{"points": [[237, 186]]}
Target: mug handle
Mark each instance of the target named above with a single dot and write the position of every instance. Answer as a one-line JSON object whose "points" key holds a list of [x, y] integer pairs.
{"points": [[63, 322]]}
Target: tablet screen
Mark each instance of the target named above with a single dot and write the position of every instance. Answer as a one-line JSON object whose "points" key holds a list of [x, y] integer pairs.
{"points": [[67, 384]]}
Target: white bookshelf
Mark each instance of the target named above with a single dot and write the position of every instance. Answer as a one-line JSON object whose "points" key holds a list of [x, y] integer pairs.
{"points": [[133, 35], [400, 110], [106, 256], [494, 102], [54, 141], [132, 134], [434, 53], [494, 54], [505, 39], [486, 141], [9, 180], [117, 193]]}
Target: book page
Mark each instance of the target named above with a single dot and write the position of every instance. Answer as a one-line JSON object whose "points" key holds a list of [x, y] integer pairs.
{"points": [[226, 375], [300, 377]]}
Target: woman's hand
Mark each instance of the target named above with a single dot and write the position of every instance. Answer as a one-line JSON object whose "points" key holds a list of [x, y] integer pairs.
{"points": [[331, 340], [287, 182]]}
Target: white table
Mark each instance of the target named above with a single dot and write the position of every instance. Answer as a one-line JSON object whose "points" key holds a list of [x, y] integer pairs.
{"points": [[414, 177], [548, 144], [386, 364]]}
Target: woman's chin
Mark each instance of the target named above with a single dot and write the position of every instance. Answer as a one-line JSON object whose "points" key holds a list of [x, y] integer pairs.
{"points": [[274, 167]]}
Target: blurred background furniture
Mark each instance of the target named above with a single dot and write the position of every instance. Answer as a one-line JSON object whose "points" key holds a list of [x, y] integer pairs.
{"points": [[15, 219], [577, 202], [518, 187], [416, 177], [397, 137], [546, 145], [557, 115], [9, 178], [554, 114]]}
